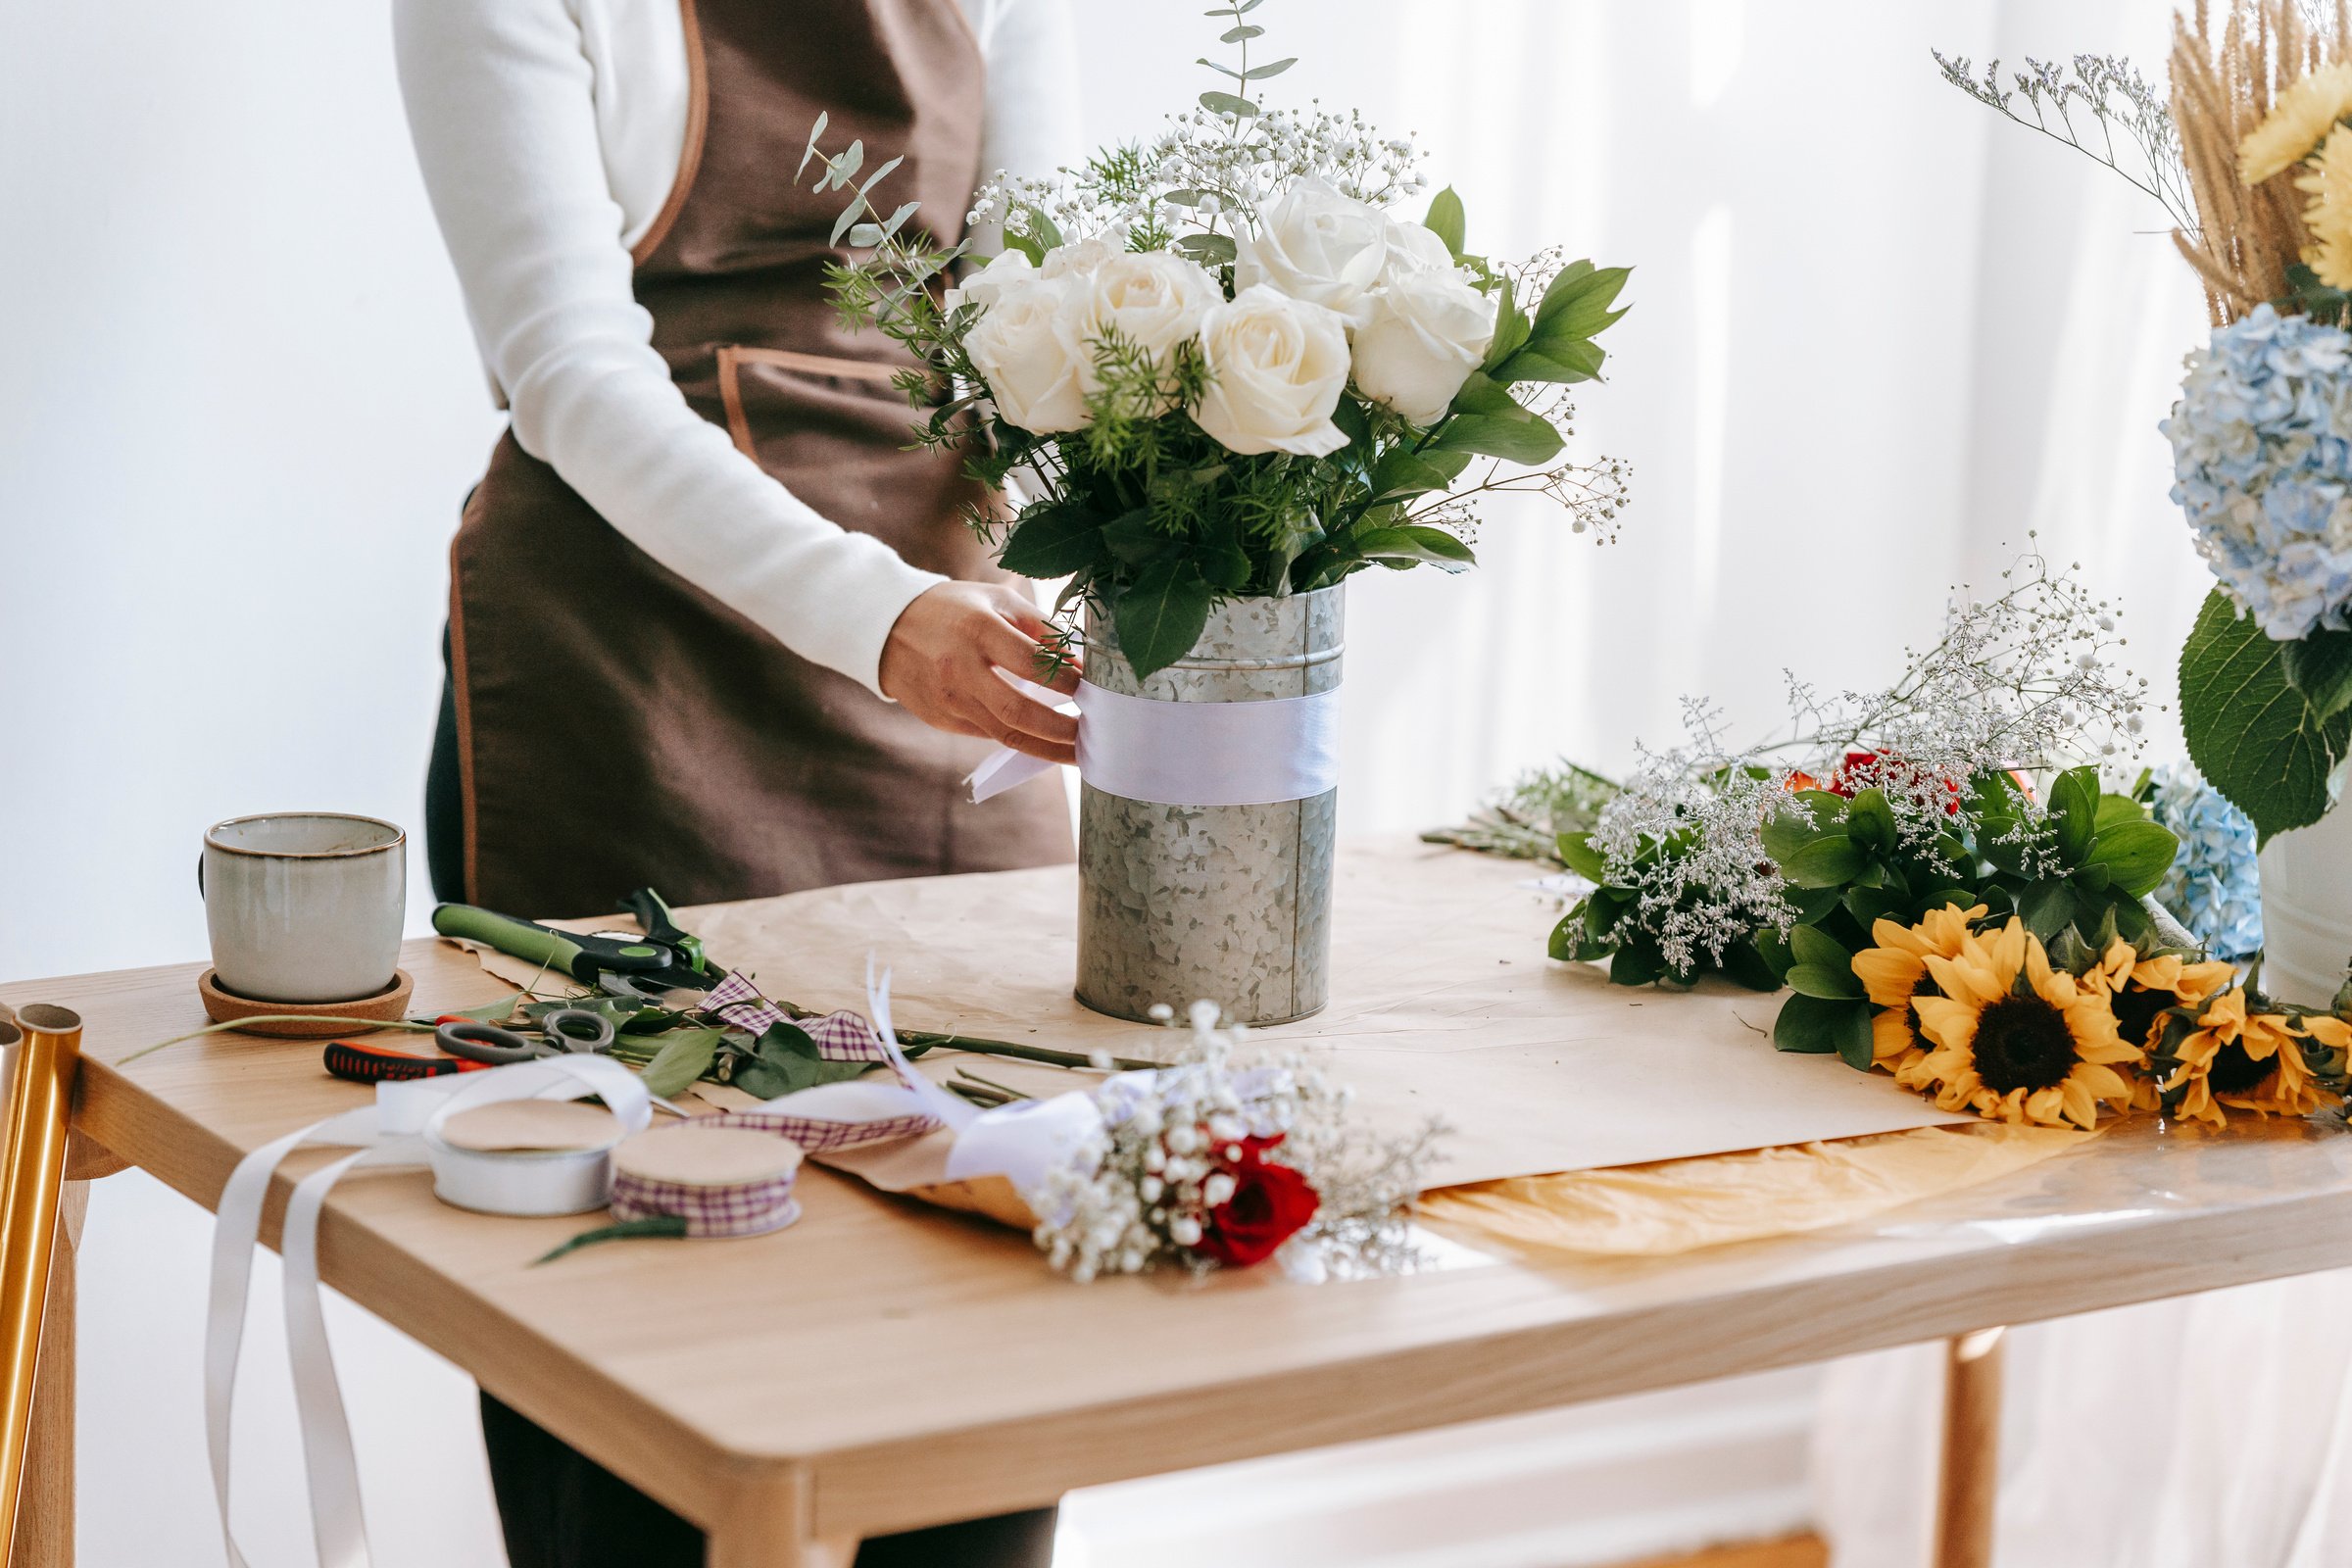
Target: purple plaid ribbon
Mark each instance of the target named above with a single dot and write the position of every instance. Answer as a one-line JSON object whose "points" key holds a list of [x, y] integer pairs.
{"points": [[752, 1208], [821, 1137], [839, 1036]]}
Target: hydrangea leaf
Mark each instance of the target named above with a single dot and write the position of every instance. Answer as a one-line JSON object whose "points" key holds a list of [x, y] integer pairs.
{"points": [[2319, 667], [2255, 737]]}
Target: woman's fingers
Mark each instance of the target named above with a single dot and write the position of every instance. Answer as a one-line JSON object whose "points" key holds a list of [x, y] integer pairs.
{"points": [[1030, 624], [1016, 654], [1025, 724]]}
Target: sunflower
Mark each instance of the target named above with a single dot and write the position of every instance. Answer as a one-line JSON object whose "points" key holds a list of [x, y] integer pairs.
{"points": [[2304, 113], [2015, 1039], [2137, 989], [1896, 974], [2248, 1061], [2329, 213]]}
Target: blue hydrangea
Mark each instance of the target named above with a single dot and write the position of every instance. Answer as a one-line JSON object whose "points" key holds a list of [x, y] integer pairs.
{"points": [[2213, 888], [2262, 460]]}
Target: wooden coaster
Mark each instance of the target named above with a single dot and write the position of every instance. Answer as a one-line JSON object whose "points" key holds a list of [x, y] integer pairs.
{"points": [[531, 1126], [707, 1157], [306, 1020]]}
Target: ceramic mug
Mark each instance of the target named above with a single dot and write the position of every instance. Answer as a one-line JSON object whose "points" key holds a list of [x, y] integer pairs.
{"points": [[305, 905]]}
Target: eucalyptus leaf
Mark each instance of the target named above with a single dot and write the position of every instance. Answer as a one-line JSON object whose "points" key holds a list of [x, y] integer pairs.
{"points": [[1275, 69], [685, 1055], [1241, 34], [1225, 103], [1208, 250]]}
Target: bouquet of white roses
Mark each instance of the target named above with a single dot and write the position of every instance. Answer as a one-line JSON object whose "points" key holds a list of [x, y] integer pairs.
{"points": [[1231, 369]]}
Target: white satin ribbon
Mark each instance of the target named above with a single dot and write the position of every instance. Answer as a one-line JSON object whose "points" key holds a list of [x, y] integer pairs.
{"points": [[1021, 1142], [1189, 754], [390, 1132]]}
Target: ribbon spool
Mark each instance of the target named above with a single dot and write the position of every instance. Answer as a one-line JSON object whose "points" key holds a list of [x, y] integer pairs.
{"points": [[720, 1180], [523, 1157]]}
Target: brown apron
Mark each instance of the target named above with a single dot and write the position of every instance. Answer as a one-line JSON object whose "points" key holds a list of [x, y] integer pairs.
{"points": [[619, 727]]}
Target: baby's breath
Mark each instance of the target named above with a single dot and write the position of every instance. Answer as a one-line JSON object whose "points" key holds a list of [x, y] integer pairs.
{"points": [[1141, 1191], [2022, 680]]}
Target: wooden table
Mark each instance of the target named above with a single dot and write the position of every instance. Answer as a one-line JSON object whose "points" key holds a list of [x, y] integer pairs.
{"points": [[882, 1367]]}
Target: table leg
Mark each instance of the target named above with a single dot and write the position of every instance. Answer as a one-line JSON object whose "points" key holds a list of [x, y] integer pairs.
{"points": [[1972, 1450], [769, 1527]]}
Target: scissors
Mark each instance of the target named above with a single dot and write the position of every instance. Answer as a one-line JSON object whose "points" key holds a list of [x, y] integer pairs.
{"points": [[647, 968], [566, 1029]]}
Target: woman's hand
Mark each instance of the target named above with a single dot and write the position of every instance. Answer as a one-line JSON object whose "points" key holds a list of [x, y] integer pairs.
{"points": [[941, 665]]}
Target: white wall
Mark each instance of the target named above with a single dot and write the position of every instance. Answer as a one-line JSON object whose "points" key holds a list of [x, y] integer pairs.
{"points": [[1876, 334]]}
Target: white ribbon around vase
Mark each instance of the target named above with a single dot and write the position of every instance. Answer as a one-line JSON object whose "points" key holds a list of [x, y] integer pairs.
{"points": [[1187, 754], [1019, 1142]]}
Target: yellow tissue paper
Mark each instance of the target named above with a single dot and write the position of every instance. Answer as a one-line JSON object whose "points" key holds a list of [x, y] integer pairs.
{"points": [[1677, 1205]]}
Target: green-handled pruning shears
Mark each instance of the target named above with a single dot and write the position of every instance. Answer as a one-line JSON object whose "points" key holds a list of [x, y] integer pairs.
{"points": [[664, 960]]}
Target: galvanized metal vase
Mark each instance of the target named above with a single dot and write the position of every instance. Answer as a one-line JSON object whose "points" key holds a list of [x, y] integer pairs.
{"points": [[1227, 903]]}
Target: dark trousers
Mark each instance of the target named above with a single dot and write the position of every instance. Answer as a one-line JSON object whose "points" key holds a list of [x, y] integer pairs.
{"points": [[558, 1508]]}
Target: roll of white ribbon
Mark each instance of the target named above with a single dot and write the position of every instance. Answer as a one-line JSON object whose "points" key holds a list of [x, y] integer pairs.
{"points": [[387, 1133], [1191, 754]]}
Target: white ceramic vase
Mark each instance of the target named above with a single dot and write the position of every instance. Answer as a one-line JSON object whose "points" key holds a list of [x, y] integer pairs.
{"points": [[2307, 910]]}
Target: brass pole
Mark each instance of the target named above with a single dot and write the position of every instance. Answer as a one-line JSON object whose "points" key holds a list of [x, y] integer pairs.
{"points": [[1972, 1450], [48, 1050]]}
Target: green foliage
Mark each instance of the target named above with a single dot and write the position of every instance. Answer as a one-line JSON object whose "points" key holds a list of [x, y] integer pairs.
{"points": [[2263, 739], [2075, 873], [786, 1060], [1147, 515]]}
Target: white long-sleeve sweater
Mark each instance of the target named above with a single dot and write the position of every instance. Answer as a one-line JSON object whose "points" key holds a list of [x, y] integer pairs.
{"points": [[550, 133]]}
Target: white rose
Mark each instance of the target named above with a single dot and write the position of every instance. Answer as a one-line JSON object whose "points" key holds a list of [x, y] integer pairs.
{"points": [[1415, 248], [1427, 332], [987, 285], [1025, 347], [1154, 301], [1277, 367], [1315, 245], [1080, 258]]}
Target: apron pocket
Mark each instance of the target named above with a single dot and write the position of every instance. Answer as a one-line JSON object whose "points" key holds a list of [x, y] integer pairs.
{"points": [[757, 384]]}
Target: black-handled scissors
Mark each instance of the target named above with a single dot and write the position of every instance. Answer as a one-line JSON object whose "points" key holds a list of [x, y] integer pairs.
{"points": [[566, 1029]]}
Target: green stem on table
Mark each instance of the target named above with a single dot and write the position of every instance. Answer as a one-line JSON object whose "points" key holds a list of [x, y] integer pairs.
{"points": [[663, 1225], [965, 1075], [271, 1017], [999, 1048]]}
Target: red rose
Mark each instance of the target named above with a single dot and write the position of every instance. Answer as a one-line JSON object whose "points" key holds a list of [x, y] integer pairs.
{"points": [[1864, 770], [1270, 1204]]}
